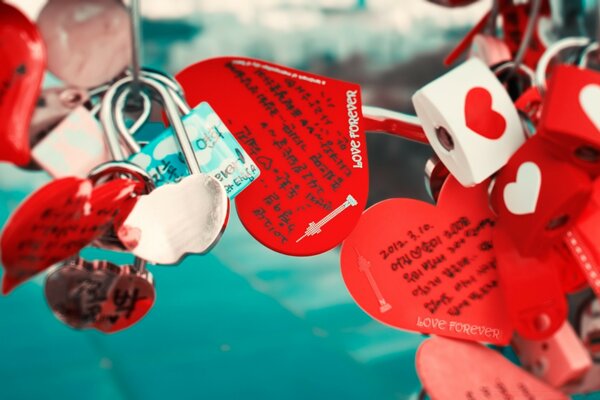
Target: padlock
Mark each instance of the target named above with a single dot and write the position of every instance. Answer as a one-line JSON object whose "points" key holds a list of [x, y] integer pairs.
{"points": [[165, 226], [533, 294], [538, 197], [570, 117], [559, 360], [470, 121], [490, 49]]}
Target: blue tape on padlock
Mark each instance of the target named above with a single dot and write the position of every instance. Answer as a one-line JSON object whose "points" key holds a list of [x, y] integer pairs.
{"points": [[218, 153]]}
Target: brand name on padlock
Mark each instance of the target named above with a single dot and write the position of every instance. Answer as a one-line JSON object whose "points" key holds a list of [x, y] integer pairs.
{"points": [[353, 128]]}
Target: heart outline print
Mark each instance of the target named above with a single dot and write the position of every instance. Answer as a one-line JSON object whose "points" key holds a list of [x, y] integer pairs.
{"points": [[480, 116], [589, 98], [521, 196]]}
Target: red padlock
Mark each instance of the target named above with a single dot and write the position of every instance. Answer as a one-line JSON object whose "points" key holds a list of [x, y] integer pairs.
{"points": [[559, 360], [538, 197], [533, 294], [570, 116]]}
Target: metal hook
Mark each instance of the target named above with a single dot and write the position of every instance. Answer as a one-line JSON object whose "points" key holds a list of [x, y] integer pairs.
{"points": [[554, 51]]}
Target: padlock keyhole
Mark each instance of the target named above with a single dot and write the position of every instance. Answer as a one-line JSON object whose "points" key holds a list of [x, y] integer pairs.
{"points": [[557, 222], [588, 154], [444, 138]]}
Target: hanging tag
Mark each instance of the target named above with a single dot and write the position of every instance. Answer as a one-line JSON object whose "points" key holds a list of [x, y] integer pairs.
{"points": [[89, 41], [22, 68], [429, 269], [77, 290], [127, 302], [74, 147], [218, 153], [305, 133], [458, 370], [56, 222]]}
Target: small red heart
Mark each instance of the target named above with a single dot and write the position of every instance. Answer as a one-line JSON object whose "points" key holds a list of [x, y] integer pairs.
{"points": [[128, 301], [480, 117], [23, 56], [429, 269], [458, 370], [305, 132], [56, 222]]}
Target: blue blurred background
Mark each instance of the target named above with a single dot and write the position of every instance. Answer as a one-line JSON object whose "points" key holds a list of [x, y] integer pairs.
{"points": [[243, 321]]}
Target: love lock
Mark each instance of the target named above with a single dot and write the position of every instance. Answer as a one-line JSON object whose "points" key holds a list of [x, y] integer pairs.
{"points": [[570, 117], [176, 219], [475, 131]]}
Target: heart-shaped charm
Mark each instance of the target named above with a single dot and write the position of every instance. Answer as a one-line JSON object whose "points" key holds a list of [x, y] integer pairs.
{"points": [[23, 56], [305, 133], [78, 289], [458, 370], [56, 222], [521, 197], [589, 97], [70, 26], [429, 269], [177, 219], [128, 301], [480, 116]]}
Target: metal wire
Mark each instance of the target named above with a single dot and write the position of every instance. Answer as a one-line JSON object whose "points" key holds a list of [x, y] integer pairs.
{"points": [[136, 48], [534, 13]]}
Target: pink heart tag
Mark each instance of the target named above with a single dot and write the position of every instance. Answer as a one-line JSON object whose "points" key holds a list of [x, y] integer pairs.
{"points": [[429, 269], [458, 370]]}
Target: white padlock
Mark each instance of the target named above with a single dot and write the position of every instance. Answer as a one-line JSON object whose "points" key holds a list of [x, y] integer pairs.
{"points": [[470, 121]]}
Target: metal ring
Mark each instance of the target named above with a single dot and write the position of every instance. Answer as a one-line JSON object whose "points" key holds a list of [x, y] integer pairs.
{"points": [[551, 53], [126, 168], [585, 56]]}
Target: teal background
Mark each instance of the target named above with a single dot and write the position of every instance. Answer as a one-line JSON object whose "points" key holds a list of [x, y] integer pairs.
{"points": [[243, 321]]}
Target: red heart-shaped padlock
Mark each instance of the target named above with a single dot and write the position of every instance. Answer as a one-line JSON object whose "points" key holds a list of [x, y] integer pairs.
{"points": [[305, 133], [128, 301], [429, 269], [458, 370], [56, 222], [23, 56]]}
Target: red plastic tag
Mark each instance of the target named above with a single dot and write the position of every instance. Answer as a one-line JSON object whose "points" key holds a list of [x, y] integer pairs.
{"points": [[56, 222], [305, 132], [459, 370], [429, 269], [23, 56]]}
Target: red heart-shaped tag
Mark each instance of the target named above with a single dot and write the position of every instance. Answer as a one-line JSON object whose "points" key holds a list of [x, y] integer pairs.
{"points": [[56, 222], [429, 269], [128, 301], [305, 133], [458, 370], [23, 56], [480, 117]]}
